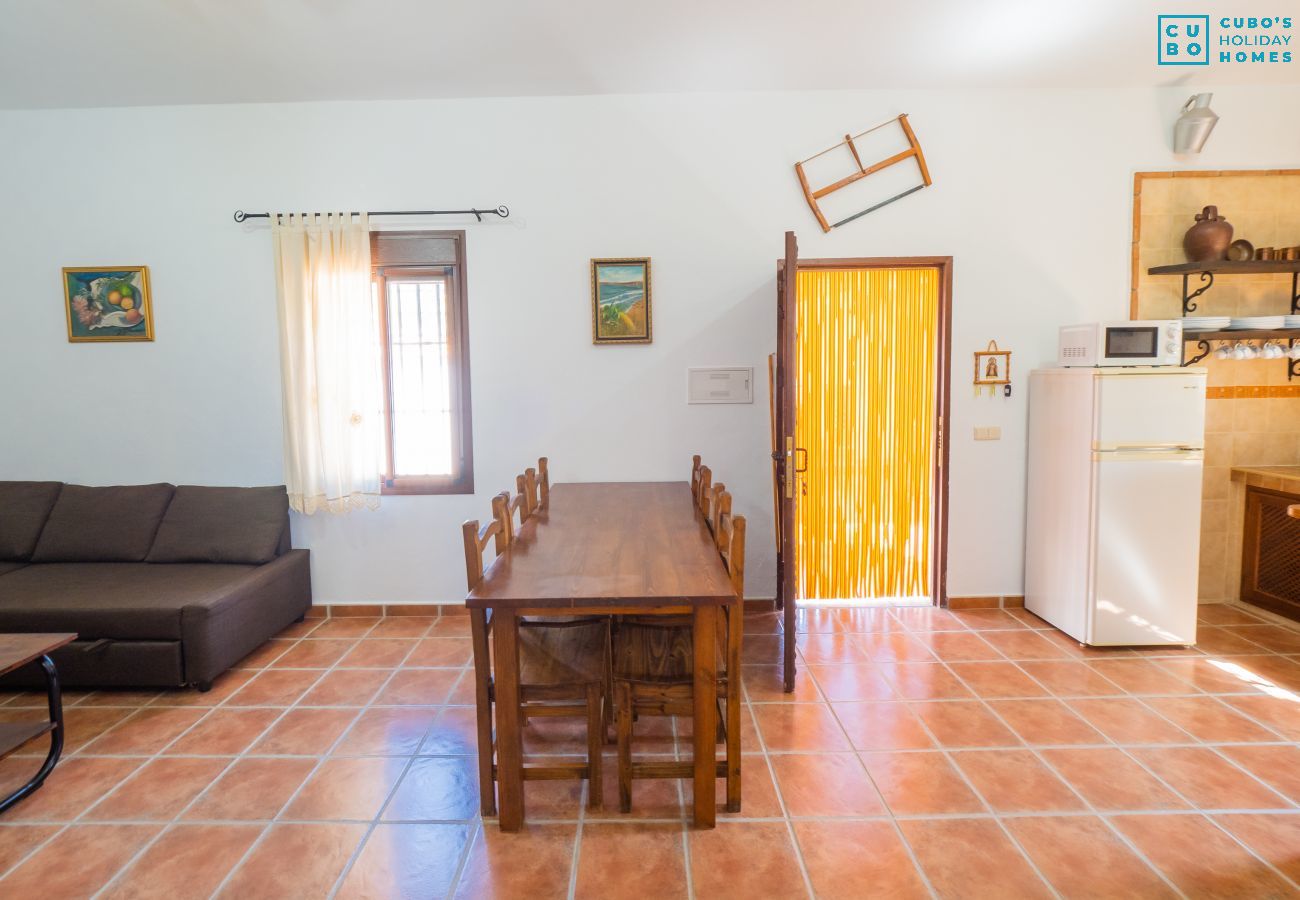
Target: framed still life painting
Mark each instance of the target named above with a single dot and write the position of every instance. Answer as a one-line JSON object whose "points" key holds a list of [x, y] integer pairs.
{"points": [[620, 301], [108, 303]]}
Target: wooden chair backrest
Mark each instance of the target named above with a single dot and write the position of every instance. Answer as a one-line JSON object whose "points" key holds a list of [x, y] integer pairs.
{"points": [[504, 512], [534, 489], [702, 496], [719, 504], [695, 477], [476, 541], [730, 535], [544, 483], [712, 506]]}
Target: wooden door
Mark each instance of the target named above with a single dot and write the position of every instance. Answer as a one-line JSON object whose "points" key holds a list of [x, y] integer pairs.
{"points": [[785, 453]]}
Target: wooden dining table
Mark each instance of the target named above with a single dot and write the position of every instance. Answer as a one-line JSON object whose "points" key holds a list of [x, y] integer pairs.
{"points": [[632, 548]]}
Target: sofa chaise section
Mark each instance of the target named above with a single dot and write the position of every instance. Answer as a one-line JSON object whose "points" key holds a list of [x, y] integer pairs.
{"points": [[165, 586]]}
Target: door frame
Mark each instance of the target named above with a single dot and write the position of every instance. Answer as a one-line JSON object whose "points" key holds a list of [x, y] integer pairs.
{"points": [[943, 406]]}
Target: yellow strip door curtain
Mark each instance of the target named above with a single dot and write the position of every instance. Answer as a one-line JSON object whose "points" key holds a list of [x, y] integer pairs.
{"points": [[867, 341]]}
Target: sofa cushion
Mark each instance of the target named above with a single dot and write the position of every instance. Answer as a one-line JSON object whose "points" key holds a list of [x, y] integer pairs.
{"points": [[222, 525], [103, 524], [124, 601], [24, 507]]}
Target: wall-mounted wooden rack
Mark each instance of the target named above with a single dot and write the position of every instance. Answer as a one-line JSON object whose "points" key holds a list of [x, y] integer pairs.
{"points": [[1203, 339], [1207, 270]]}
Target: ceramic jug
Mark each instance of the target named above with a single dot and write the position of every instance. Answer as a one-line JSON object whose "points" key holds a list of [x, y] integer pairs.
{"points": [[1209, 238]]}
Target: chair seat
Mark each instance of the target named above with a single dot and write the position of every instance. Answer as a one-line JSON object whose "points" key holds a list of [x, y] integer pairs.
{"points": [[646, 652], [551, 653]]}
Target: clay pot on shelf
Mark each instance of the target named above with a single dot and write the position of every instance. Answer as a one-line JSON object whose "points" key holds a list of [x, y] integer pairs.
{"points": [[1209, 238], [1241, 250]]}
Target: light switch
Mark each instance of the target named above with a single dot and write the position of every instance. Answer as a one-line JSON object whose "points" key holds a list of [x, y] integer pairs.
{"points": [[720, 384], [988, 433]]}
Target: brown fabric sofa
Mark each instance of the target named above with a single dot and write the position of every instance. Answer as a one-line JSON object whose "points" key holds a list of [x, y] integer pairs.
{"points": [[164, 585]]}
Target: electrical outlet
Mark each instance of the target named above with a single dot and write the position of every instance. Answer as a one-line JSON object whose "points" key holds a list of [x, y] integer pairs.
{"points": [[988, 433]]}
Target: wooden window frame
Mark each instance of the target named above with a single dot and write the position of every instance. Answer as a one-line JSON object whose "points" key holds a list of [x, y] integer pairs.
{"points": [[462, 480]]}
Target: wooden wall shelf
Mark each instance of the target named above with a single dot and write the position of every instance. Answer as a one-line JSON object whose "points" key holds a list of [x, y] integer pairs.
{"points": [[1230, 267], [1250, 334], [1209, 268]]}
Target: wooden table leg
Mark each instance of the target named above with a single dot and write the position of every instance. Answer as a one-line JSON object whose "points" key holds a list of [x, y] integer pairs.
{"points": [[510, 751], [705, 726], [487, 788]]}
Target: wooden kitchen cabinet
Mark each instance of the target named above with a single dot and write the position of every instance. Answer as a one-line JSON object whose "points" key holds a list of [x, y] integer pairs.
{"points": [[1270, 562]]}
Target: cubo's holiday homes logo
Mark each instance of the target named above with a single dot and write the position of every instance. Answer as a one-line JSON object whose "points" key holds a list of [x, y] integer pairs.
{"points": [[1183, 41], [1186, 40]]}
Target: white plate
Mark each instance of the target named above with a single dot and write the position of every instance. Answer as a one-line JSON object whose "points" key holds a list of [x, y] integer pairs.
{"points": [[1291, 322], [1257, 322]]}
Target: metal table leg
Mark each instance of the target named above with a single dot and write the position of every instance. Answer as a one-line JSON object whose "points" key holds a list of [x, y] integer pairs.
{"points": [[55, 697]]}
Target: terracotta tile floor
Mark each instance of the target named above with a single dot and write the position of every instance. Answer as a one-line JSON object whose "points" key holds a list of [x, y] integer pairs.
{"points": [[925, 753]]}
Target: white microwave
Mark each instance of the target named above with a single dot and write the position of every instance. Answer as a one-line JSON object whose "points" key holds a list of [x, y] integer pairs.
{"points": [[1155, 342]]}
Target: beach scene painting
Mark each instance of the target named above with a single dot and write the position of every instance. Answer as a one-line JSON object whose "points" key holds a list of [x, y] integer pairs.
{"points": [[620, 301], [108, 303]]}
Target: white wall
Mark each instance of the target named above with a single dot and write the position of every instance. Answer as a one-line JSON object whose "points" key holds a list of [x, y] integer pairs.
{"points": [[1032, 197]]}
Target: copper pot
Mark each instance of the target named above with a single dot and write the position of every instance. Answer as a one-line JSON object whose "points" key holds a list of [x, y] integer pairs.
{"points": [[1209, 238]]}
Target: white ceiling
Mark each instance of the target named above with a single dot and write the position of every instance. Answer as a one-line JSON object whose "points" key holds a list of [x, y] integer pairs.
{"points": [[74, 53]]}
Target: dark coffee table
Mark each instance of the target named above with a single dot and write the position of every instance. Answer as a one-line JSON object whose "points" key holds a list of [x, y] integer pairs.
{"points": [[16, 651]]}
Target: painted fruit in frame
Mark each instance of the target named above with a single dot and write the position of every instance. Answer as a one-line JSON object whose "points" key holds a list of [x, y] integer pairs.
{"points": [[108, 303]]}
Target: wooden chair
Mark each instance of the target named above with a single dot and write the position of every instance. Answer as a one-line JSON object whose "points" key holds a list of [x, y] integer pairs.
{"points": [[532, 492], [563, 671], [652, 662]]}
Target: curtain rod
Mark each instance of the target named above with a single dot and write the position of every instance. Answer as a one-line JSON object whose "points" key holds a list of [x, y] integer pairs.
{"points": [[501, 211]]}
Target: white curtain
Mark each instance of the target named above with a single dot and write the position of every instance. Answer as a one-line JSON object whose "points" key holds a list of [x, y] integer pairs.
{"points": [[330, 362]]}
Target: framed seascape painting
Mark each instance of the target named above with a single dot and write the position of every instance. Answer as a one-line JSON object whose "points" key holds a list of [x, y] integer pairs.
{"points": [[108, 303], [620, 301]]}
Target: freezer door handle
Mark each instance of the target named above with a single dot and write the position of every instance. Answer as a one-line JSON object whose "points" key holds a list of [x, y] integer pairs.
{"points": [[1145, 454], [1144, 448]]}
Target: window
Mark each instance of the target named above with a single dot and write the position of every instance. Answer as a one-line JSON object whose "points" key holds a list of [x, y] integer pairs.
{"points": [[419, 287]]}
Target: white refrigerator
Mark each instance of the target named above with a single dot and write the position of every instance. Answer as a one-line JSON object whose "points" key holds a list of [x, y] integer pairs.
{"points": [[1113, 526]]}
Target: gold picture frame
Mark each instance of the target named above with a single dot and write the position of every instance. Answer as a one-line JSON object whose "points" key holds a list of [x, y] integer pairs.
{"points": [[621, 301], [107, 304], [992, 366]]}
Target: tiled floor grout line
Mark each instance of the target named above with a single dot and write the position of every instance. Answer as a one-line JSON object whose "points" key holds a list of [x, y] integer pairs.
{"points": [[474, 833], [1126, 751], [780, 796], [970, 786], [373, 823], [320, 761], [576, 858], [985, 702], [1088, 805], [1069, 784], [1214, 748], [1204, 814], [136, 771], [474, 827], [890, 815], [410, 758], [160, 754]]}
